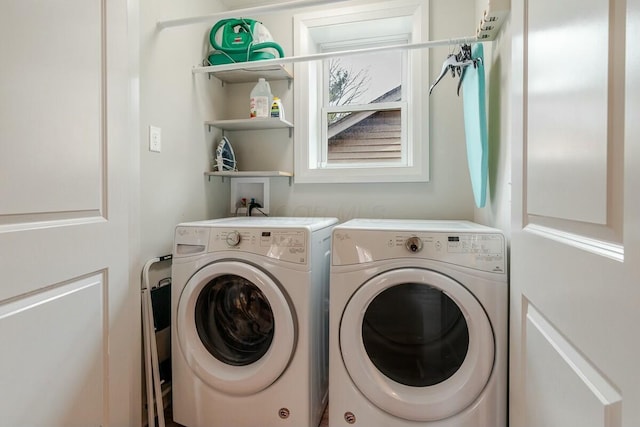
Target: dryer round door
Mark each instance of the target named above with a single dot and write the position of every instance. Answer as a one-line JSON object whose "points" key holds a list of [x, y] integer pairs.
{"points": [[417, 344], [235, 327]]}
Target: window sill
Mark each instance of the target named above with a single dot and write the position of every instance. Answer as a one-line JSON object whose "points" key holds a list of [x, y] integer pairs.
{"points": [[360, 176]]}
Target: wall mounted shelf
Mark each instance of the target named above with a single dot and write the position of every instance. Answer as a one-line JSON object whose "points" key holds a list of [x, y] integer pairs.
{"points": [[257, 123], [244, 174], [250, 124], [246, 75]]}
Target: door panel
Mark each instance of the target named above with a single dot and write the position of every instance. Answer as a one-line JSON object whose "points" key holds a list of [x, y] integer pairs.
{"points": [[567, 90], [42, 331], [574, 117], [52, 99], [593, 402], [69, 315], [575, 244]]}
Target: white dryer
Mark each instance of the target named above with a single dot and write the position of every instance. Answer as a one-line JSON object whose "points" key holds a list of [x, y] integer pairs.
{"points": [[418, 324], [250, 315]]}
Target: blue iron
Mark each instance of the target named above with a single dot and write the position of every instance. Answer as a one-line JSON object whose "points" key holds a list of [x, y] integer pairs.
{"points": [[225, 157]]}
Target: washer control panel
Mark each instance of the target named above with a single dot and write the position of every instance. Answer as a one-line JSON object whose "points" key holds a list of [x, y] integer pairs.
{"points": [[283, 244], [481, 251], [413, 244], [233, 238], [189, 241]]}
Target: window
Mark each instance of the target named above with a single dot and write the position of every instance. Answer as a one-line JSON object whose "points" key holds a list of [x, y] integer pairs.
{"points": [[363, 110], [361, 117]]}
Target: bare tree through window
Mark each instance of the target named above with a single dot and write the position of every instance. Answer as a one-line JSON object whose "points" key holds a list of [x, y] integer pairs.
{"points": [[346, 86], [366, 135]]}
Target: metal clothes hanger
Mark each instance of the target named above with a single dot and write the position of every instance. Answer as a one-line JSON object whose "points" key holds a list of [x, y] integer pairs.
{"points": [[456, 63]]}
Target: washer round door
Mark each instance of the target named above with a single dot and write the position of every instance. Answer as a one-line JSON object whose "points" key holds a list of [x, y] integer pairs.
{"points": [[235, 327], [417, 344]]}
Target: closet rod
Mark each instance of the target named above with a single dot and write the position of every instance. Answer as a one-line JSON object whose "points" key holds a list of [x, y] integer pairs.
{"points": [[240, 13], [326, 55]]}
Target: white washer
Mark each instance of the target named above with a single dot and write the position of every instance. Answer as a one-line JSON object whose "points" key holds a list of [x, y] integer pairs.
{"points": [[418, 324], [250, 321]]}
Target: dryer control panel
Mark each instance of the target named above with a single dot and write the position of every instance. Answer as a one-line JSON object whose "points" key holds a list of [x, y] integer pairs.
{"points": [[481, 251]]}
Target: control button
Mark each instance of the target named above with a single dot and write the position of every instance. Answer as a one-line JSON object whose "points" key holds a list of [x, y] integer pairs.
{"points": [[233, 238], [413, 244]]}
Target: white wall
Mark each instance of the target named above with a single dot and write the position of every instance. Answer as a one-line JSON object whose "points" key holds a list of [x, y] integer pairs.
{"points": [[497, 55], [447, 195], [173, 187]]}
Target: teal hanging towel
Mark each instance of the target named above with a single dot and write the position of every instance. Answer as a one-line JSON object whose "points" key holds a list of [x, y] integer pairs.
{"points": [[475, 124]]}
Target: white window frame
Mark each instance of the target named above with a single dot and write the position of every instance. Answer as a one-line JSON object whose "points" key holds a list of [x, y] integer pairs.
{"points": [[308, 102]]}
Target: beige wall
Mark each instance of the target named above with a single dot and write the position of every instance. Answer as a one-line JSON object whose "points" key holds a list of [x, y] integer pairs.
{"points": [[497, 211], [447, 195], [173, 188]]}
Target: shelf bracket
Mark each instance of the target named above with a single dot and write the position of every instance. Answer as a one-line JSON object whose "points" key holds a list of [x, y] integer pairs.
{"points": [[210, 127], [211, 176]]}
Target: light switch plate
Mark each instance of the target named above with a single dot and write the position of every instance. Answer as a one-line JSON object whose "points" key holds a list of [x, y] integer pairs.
{"points": [[155, 139]]}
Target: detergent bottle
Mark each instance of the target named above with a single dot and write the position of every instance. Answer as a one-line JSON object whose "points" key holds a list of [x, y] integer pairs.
{"points": [[276, 109], [261, 99]]}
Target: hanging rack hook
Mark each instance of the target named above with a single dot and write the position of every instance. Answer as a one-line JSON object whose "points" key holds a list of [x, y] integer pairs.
{"points": [[456, 63]]}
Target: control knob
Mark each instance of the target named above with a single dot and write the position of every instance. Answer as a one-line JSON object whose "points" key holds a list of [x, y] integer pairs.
{"points": [[413, 244], [233, 238]]}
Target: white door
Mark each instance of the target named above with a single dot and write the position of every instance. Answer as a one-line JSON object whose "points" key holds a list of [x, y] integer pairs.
{"points": [[575, 254], [69, 314]]}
